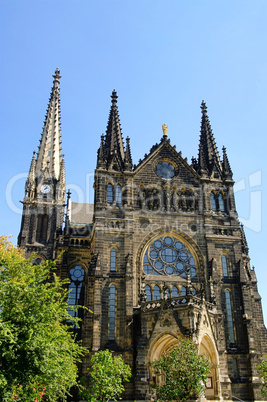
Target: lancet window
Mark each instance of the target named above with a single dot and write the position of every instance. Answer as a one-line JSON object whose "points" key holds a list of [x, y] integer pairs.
{"points": [[112, 308], [113, 259], [229, 314], [224, 266], [110, 193]]}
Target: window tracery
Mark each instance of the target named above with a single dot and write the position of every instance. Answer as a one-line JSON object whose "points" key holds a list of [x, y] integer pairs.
{"points": [[76, 294], [167, 255]]}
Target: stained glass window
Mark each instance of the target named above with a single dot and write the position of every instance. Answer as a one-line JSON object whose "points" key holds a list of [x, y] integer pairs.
{"points": [[110, 193], [168, 255]]}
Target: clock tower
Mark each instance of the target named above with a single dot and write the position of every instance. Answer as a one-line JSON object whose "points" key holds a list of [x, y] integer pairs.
{"points": [[44, 200]]}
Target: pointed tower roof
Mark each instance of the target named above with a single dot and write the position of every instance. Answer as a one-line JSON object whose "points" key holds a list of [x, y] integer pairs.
{"points": [[49, 153], [113, 146], [226, 168], [207, 142]]}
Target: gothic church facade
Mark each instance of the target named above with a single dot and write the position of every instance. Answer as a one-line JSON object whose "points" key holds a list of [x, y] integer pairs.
{"points": [[159, 255]]}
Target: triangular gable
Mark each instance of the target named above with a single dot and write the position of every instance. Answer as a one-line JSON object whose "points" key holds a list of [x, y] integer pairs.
{"points": [[146, 170]]}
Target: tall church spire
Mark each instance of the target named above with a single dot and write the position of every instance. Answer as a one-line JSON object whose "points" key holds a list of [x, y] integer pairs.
{"points": [[113, 143], [44, 201], [49, 153], [207, 143]]}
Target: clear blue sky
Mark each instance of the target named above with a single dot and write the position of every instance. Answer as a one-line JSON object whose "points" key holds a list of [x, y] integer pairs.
{"points": [[163, 58]]}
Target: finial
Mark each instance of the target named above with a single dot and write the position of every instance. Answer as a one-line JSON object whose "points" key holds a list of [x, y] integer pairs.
{"points": [[57, 75], [165, 130], [68, 194], [114, 96], [203, 107]]}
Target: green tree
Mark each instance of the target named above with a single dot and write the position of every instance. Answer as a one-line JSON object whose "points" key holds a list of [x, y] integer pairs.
{"points": [[263, 375], [38, 353], [183, 372], [107, 373]]}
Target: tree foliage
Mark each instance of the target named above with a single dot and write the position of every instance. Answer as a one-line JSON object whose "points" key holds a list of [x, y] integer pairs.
{"points": [[38, 353], [107, 373], [183, 372], [263, 375]]}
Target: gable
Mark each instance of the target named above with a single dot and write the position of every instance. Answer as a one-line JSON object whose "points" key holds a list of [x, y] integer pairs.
{"points": [[163, 165]]}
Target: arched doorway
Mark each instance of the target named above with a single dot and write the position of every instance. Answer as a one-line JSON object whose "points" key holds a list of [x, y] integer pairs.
{"points": [[207, 349], [162, 344]]}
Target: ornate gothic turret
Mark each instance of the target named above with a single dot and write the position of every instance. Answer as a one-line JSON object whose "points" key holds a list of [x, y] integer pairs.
{"points": [[128, 163], [43, 204], [208, 155], [111, 153]]}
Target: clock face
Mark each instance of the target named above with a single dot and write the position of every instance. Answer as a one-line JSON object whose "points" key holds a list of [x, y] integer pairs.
{"points": [[165, 170], [45, 188]]}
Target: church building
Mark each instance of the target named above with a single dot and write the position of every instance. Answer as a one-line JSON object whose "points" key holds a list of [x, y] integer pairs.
{"points": [[159, 255]]}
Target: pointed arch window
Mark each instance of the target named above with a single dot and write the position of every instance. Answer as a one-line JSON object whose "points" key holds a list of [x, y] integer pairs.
{"points": [[224, 266], [229, 314], [156, 293], [118, 194], [148, 293], [110, 193], [221, 202], [42, 227], [76, 294], [183, 291], [113, 260], [112, 308], [213, 202]]}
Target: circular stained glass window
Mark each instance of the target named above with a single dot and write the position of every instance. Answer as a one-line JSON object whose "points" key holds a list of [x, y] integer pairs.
{"points": [[168, 256], [165, 170], [77, 274]]}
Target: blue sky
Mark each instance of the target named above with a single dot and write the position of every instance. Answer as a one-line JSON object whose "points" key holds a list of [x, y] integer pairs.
{"points": [[163, 58]]}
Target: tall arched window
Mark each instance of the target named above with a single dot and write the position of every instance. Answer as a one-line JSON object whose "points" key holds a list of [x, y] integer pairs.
{"points": [[113, 260], [221, 202], [118, 194], [183, 291], [112, 307], [148, 293], [156, 293], [213, 202], [76, 294], [224, 266], [110, 193], [229, 314], [42, 226]]}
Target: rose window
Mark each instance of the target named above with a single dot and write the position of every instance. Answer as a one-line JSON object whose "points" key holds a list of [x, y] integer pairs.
{"points": [[168, 256]]}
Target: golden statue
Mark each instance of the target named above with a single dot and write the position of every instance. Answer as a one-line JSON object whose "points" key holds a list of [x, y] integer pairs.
{"points": [[165, 130]]}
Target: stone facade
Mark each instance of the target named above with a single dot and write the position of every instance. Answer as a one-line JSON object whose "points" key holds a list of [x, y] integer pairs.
{"points": [[160, 255]]}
